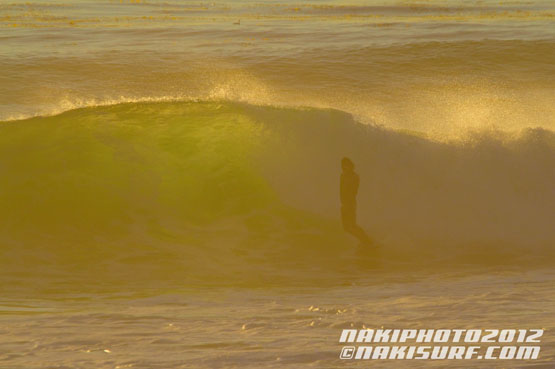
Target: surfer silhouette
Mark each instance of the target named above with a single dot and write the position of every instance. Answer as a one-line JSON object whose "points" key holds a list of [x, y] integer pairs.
{"points": [[348, 189]]}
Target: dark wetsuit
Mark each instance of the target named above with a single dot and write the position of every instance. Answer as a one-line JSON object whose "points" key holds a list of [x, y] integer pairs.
{"points": [[348, 189]]}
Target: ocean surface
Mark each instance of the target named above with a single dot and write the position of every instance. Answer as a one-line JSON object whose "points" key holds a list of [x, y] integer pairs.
{"points": [[169, 177]]}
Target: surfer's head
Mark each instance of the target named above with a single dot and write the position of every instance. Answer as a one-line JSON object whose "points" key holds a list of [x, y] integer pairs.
{"points": [[347, 164]]}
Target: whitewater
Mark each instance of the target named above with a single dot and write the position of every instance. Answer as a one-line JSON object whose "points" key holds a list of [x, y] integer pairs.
{"points": [[170, 174]]}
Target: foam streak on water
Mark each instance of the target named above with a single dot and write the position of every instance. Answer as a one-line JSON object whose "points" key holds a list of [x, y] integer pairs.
{"points": [[269, 328]]}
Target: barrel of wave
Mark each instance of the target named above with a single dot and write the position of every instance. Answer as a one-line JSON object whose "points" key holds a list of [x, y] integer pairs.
{"points": [[174, 188]]}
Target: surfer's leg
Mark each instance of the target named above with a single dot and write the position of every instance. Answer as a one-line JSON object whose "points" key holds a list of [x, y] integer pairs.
{"points": [[348, 218], [344, 218], [359, 233], [349, 221]]}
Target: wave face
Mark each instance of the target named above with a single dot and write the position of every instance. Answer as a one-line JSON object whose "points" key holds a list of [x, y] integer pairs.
{"points": [[212, 192]]}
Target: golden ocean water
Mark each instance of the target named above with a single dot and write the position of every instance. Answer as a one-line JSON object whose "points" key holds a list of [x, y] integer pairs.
{"points": [[169, 195]]}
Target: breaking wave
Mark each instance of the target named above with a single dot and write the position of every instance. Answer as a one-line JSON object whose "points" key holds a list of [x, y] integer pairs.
{"points": [[220, 192]]}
